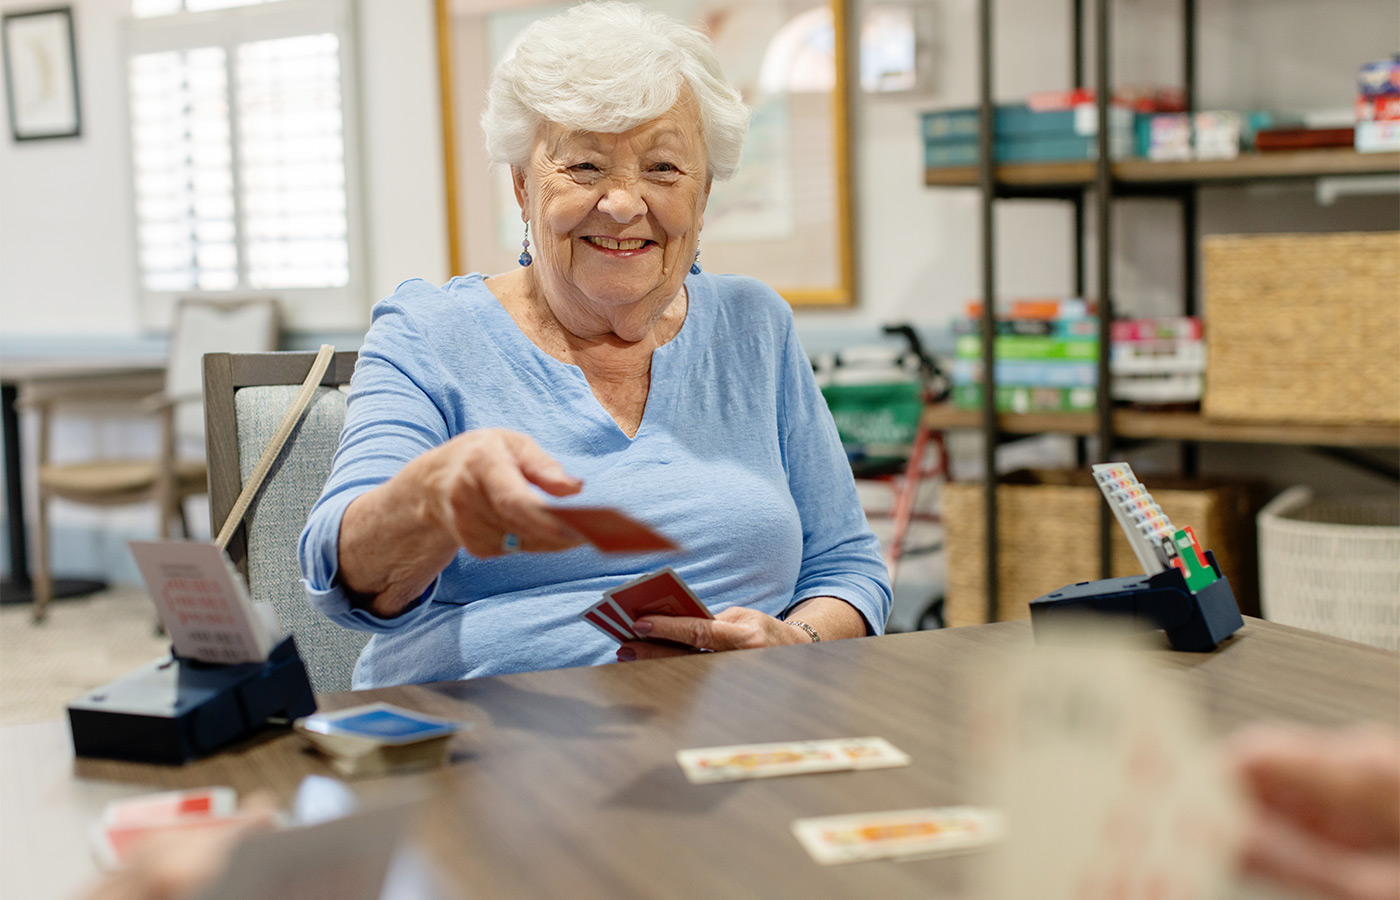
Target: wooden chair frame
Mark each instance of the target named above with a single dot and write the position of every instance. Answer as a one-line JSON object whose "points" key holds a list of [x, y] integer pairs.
{"points": [[225, 374]]}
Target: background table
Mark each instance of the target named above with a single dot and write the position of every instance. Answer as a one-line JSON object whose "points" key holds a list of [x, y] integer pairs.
{"points": [[141, 376], [567, 785]]}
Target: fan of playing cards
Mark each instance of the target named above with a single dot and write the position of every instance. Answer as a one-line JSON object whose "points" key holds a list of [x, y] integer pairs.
{"points": [[660, 593]]}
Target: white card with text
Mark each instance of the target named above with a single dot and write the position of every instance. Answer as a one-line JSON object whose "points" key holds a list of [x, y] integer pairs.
{"points": [[203, 603]]}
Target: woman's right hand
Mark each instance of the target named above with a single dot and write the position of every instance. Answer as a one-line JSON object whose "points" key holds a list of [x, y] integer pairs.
{"points": [[477, 488], [1326, 808], [470, 492]]}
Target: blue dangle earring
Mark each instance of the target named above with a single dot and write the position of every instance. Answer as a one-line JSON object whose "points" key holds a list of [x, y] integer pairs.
{"points": [[695, 266], [525, 257]]}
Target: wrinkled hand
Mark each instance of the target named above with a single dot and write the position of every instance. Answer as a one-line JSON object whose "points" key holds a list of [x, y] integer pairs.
{"points": [[176, 865], [478, 488], [737, 628], [1326, 812]]}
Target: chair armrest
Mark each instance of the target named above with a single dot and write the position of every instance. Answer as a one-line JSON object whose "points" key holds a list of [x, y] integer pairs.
{"points": [[154, 403]]}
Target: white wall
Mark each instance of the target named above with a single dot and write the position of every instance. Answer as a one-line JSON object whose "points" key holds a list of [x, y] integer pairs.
{"points": [[66, 262], [66, 259]]}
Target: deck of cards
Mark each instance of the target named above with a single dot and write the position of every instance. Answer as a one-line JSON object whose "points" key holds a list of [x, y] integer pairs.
{"points": [[379, 739], [660, 593], [711, 764]]}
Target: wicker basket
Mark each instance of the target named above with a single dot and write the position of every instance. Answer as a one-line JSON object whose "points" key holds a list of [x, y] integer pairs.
{"points": [[1303, 328], [1332, 565], [1048, 537]]}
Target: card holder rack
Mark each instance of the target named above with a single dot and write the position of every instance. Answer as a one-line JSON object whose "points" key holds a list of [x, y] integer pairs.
{"points": [[1182, 591]]}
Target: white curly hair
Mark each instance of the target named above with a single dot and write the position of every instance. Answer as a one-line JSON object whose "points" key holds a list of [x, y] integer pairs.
{"points": [[608, 67]]}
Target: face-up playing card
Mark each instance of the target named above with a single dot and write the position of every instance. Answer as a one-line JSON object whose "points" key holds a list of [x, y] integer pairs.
{"points": [[1110, 783], [661, 593], [210, 801], [900, 834], [380, 722], [612, 531], [714, 764], [125, 823]]}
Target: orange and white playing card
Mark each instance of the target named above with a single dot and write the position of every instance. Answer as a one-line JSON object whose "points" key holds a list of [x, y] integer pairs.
{"points": [[741, 761], [899, 834]]}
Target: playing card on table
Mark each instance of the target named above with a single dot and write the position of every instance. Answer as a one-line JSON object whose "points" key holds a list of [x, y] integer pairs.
{"points": [[713, 764], [898, 834], [125, 823], [612, 531], [210, 801], [1110, 783], [660, 593]]}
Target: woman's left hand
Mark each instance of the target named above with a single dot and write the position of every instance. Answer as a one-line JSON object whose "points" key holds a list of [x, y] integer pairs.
{"points": [[736, 628]]}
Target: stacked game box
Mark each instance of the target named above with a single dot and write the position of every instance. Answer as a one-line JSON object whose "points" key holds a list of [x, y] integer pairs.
{"points": [[1378, 106], [1158, 361], [1024, 134], [1210, 134], [1051, 126], [1046, 357]]}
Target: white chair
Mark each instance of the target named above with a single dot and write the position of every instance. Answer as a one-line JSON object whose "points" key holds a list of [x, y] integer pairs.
{"points": [[176, 470]]}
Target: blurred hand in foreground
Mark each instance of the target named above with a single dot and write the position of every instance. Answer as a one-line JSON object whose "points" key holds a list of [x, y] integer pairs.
{"points": [[1326, 808]]}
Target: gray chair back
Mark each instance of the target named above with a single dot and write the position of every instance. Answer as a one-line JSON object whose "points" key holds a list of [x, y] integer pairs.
{"points": [[246, 396]]}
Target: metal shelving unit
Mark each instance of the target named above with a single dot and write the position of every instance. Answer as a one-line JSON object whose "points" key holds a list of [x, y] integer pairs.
{"points": [[1101, 182]]}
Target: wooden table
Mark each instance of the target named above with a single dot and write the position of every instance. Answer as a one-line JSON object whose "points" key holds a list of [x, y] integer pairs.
{"points": [[28, 378], [567, 785]]}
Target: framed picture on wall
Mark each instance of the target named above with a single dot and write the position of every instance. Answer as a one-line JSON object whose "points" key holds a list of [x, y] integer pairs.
{"points": [[41, 74], [785, 217]]}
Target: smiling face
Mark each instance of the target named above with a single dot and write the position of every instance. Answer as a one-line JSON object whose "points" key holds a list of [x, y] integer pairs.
{"points": [[615, 218]]}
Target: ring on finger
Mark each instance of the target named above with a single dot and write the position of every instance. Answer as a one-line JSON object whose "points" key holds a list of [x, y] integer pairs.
{"points": [[510, 542]]}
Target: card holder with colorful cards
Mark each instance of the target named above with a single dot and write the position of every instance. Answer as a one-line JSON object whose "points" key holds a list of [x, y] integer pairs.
{"points": [[1182, 591], [659, 593]]}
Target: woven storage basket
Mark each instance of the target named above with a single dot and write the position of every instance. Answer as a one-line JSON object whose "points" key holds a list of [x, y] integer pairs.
{"points": [[1332, 565], [1303, 327], [1048, 537]]}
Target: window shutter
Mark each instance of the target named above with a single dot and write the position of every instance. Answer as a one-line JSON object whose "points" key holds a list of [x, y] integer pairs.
{"points": [[183, 170], [293, 162], [243, 184]]}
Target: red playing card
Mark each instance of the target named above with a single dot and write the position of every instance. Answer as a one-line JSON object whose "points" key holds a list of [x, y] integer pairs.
{"points": [[662, 593], [611, 531], [606, 625]]}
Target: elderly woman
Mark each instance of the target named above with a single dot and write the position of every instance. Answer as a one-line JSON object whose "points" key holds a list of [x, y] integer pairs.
{"points": [[607, 366]]}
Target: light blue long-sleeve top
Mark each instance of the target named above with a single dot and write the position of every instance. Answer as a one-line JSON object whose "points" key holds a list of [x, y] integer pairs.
{"points": [[737, 460]]}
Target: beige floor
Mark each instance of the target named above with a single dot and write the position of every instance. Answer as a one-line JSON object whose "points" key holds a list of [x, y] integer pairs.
{"points": [[85, 643]]}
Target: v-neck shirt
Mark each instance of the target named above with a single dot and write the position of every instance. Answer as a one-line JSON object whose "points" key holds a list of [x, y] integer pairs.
{"points": [[736, 459]]}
